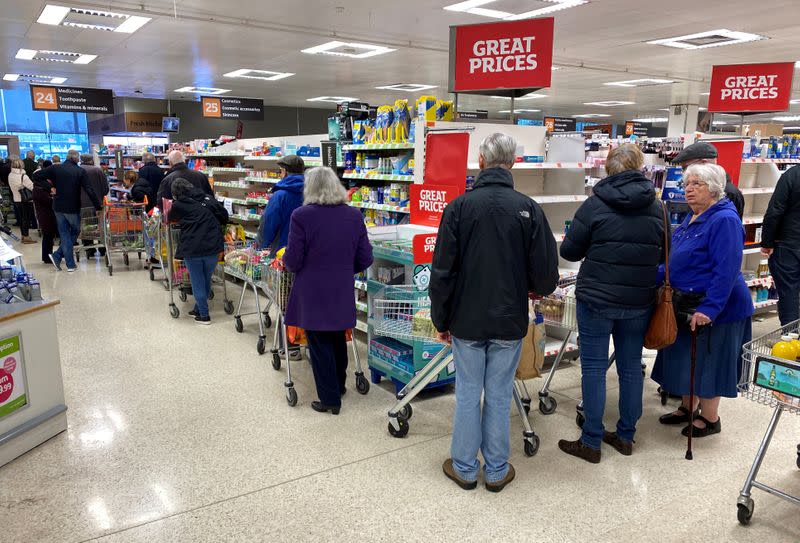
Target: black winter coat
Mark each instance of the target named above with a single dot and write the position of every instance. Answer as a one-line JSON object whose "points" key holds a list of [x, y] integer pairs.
{"points": [[141, 190], [200, 217], [68, 179], [494, 246], [153, 175], [619, 231], [782, 219], [734, 195], [198, 179], [99, 182]]}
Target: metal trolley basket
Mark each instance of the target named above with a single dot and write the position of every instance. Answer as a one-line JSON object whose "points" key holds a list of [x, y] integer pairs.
{"points": [[278, 285], [243, 262], [91, 229], [761, 381], [404, 314], [123, 229]]}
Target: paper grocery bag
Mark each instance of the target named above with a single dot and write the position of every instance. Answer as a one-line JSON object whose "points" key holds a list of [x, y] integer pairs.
{"points": [[531, 358]]}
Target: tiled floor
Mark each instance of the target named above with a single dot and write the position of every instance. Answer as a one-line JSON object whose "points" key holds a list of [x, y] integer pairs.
{"points": [[181, 433]]}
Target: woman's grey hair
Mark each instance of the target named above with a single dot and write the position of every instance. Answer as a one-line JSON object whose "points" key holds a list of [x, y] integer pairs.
{"points": [[710, 174], [623, 158], [498, 150], [180, 187], [322, 187]]}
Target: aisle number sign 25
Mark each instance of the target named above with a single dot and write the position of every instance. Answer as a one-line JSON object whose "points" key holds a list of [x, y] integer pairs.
{"points": [[45, 98], [212, 107]]}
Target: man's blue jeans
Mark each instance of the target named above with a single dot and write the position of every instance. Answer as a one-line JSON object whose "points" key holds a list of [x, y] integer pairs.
{"points": [[595, 327], [486, 367], [201, 268], [784, 265], [69, 227]]}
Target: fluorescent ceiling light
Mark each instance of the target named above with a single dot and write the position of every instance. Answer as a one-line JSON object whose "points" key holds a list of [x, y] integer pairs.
{"points": [[651, 120], [54, 56], [409, 87], [202, 90], [795, 101], [10, 77], [711, 38], [34, 78], [639, 82], [590, 115], [791, 127], [474, 7], [719, 123], [554, 68], [705, 94], [520, 111], [105, 20], [609, 103], [265, 75], [334, 99], [348, 49], [787, 118], [702, 109]]}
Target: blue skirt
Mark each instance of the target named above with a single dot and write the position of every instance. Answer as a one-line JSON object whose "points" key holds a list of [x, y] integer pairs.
{"points": [[719, 360]]}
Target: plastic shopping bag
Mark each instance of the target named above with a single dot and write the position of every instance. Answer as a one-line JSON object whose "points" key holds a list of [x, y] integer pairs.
{"points": [[296, 335], [531, 358]]}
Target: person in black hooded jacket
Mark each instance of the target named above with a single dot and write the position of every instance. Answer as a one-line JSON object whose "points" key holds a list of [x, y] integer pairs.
{"points": [[619, 232], [201, 218]]}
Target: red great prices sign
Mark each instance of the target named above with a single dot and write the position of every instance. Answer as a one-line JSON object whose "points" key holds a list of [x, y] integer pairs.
{"points": [[424, 246], [428, 202], [743, 88], [506, 55]]}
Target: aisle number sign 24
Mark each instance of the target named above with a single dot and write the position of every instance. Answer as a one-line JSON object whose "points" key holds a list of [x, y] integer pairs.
{"points": [[45, 98], [212, 107]]}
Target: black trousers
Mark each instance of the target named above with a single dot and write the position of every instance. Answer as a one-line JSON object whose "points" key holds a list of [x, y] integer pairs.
{"points": [[47, 246], [329, 363], [24, 214], [784, 265]]}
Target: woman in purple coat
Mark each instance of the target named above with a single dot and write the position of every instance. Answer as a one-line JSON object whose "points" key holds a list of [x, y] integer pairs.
{"points": [[327, 246]]}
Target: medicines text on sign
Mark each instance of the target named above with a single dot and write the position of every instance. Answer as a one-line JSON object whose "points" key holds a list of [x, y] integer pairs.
{"points": [[744, 88], [505, 55], [428, 202]]}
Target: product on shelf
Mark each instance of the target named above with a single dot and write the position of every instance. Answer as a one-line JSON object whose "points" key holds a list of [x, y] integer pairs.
{"points": [[391, 275]]}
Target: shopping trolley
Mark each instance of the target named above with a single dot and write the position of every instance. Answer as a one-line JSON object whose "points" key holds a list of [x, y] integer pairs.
{"points": [[123, 227], [91, 229], [176, 271], [775, 382], [278, 285], [152, 226], [403, 314], [244, 262]]}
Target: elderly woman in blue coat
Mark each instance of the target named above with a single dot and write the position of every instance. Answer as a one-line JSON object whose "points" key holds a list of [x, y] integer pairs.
{"points": [[711, 298]]}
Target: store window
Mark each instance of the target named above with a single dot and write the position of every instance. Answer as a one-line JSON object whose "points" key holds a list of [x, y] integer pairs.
{"points": [[46, 133]]}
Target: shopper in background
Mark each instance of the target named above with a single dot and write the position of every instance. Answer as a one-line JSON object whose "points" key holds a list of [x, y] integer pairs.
{"points": [[43, 205], [5, 170], [705, 153], [780, 242], [179, 170], [67, 180], [22, 195], [97, 178], [153, 174], [328, 244], [705, 271], [140, 188], [56, 159], [618, 232], [200, 217], [287, 195], [494, 246], [31, 164]]}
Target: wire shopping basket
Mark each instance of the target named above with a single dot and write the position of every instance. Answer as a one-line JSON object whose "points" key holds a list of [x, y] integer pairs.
{"points": [[768, 379], [403, 312], [90, 224]]}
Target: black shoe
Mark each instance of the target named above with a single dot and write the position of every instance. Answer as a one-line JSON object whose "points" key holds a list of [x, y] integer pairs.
{"points": [[683, 418], [193, 313], [581, 450], [710, 429], [56, 265], [451, 474], [623, 447], [322, 408], [202, 320]]}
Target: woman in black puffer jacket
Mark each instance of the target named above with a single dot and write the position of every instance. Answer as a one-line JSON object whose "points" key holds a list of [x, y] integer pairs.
{"points": [[619, 232]]}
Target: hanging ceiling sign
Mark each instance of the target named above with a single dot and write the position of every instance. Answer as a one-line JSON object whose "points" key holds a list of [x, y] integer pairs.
{"points": [[560, 124], [508, 58], [72, 99], [633, 128], [245, 109], [751, 88]]}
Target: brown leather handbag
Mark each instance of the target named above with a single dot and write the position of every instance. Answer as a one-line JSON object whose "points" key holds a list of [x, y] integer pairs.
{"points": [[663, 328]]}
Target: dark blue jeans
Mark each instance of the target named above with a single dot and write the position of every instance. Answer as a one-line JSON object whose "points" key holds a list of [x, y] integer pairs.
{"points": [[201, 268], [69, 227], [784, 265], [595, 327]]}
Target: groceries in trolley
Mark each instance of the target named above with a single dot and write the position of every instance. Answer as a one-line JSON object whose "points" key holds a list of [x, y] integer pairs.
{"points": [[559, 307], [246, 261]]}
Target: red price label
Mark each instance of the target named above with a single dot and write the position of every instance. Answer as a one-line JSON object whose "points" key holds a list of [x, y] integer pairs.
{"points": [[10, 364], [6, 386]]}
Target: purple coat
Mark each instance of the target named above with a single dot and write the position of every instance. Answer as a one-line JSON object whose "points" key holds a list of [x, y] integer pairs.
{"points": [[327, 246]]}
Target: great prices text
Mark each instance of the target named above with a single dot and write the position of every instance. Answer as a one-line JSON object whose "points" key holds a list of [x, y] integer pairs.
{"points": [[753, 87], [503, 55]]}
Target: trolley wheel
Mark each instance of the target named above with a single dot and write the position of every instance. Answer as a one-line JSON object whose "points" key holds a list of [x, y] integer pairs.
{"points": [[110, 270], [210, 294], [125, 259], [547, 405], [227, 305], [580, 419], [261, 346], [174, 311], [276, 361], [531, 445], [267, 321], [78, 256], [183, 296], [291, 397], [140, 255], [152, 274], [402, 432], [745, 512], [237, 323], [362, 386], [406, 412]]}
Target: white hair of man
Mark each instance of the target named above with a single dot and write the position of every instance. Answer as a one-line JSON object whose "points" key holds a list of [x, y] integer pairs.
{"points": [[148, 157], [87, 159], [72, 155], [498, 151], [176, 157], [710, 174], [322, 187]]}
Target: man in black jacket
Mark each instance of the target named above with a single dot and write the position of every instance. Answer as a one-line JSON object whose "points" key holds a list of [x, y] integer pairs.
{"points": [[98, 179], [494, 247], [30, 164], [67, 180], [179, 169], [154, 175], [700, 152], [780, 241]]}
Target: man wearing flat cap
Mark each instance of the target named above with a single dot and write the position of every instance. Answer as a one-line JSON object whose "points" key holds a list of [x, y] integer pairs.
{"points": [[703, 152]]}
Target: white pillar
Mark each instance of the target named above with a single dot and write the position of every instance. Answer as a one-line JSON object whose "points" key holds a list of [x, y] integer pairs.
{"points": [[682, 119]]}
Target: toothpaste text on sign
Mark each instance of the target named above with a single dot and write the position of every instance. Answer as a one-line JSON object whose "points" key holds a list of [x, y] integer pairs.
{"points": [[503, 55]]}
